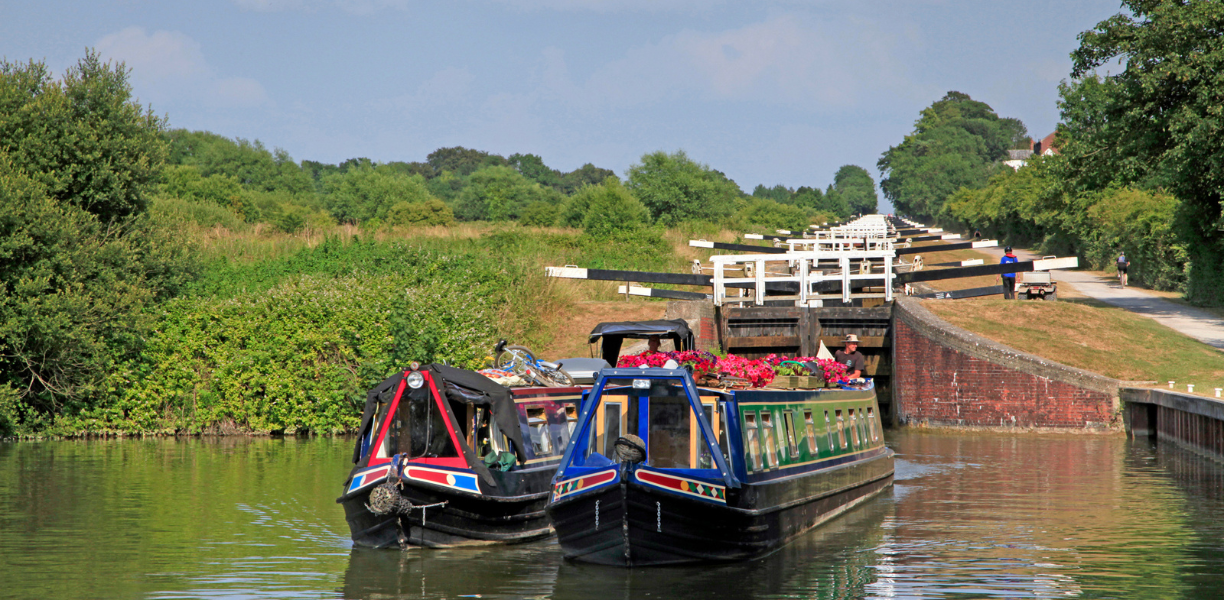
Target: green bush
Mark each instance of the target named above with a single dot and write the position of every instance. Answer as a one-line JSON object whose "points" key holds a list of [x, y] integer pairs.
{"points": [[205, 214], [75, 293], [675, 188], [761, 214], [297, 357], [1140, 224], [539, 214], [500, 194], [363, 193], [10, 410], [611, 209], [430, 212]]}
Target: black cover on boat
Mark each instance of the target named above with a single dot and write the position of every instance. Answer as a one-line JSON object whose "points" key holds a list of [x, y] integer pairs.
{"points": [[468, 386], [614, 333], [388, 387]]}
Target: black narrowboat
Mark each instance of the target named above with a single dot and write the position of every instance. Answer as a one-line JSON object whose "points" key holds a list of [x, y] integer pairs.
{"points": [[447, 456], [659, 471]]}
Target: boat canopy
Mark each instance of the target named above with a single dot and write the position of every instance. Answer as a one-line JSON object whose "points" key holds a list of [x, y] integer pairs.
{"points": [[454, 385], [680, 429], [614, 334], [470, 387]]}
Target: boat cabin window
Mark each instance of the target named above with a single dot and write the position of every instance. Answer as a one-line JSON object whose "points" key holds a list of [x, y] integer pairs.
{"points": [[615, 416], [828, 430], [767, 432], [841, 429], [670, 429], [423, 430], [699, 451], [810, 426], [489, 437], [753, 441], [790, 433], [871, 424], [564, 428], [371, 437], [854, 430], [571, 419], [537, 426]]}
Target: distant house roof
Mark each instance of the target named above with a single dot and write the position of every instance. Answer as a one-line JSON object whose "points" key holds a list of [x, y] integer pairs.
{"points": [[1045, 146]]}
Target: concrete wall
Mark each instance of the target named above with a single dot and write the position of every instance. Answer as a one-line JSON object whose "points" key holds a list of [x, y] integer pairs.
{"points": [[1189, 420], [946, 376]]}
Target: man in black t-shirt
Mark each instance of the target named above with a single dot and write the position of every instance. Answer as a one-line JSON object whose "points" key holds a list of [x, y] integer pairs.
{"points": [[852, 358]]}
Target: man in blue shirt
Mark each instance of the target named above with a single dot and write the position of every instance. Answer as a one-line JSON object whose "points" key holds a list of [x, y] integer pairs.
{"points": [[1009, 279]]}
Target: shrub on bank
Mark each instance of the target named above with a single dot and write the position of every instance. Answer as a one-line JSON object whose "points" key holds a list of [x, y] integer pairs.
{"points": [[297, 357]]}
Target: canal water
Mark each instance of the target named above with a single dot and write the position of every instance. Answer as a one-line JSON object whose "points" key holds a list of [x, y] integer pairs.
{"points": [[970, 516]]}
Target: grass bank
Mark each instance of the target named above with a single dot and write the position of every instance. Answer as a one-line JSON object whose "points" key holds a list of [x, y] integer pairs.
{"points": [[284, 333], [1093, 336]]}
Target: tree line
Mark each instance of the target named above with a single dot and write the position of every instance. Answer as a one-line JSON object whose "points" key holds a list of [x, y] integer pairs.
{"points": [[105, 316], [464, 184], [1138, 162]]}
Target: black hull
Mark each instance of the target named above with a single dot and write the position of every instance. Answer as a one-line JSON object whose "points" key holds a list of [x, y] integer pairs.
{"points": [[465, 518], [664, 528]]}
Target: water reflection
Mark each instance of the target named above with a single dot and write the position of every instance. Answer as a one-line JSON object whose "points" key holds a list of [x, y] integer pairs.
{"points": [[970, 515]]}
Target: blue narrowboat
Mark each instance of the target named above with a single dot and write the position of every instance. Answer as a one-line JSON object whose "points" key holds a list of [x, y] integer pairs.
{"points": [[446, 457], [659, 471]]}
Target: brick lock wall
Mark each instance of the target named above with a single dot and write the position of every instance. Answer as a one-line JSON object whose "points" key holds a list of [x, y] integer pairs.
{"points": [[946, 376], [699, 314]]}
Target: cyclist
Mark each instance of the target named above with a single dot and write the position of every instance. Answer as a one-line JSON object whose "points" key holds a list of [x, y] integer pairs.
{"points": [[1122, 265]]}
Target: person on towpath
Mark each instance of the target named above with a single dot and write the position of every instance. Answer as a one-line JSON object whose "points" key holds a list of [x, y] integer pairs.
{"points": [[1123, 263], [1008, 279]]}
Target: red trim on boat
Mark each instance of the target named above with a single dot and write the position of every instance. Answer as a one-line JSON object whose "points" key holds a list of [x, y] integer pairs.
{"points": [[399, 392], [457, 462], [450, 427]]}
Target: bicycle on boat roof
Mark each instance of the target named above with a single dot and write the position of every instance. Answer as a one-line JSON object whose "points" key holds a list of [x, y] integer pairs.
{"points": [[523, 363]]}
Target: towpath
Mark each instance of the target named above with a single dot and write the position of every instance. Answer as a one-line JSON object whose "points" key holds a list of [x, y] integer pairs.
{"points": [[1198, 324]]}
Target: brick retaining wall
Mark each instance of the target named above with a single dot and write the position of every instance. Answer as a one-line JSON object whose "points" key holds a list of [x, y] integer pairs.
{"points": [[699, 314], [944, 375]]}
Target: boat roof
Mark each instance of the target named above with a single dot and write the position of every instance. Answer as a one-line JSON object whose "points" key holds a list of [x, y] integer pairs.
{"points": [[676, 329]]}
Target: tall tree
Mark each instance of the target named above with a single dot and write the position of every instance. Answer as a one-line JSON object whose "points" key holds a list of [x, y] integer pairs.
{"points": [[854, 185], [957, 142], [676, 188], [463, 161], [363, 192], [81, 137], [532, 167], [1157, 122], [250, 163], [777, 193], [79, 259], [500, 194], [587, 174]]}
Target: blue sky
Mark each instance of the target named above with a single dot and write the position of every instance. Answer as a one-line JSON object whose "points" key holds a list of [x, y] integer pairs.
{"points": [[767, 92]]}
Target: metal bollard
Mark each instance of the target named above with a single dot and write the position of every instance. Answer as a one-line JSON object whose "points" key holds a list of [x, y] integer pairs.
{"points": [[1218, 390], [1190, 388]]}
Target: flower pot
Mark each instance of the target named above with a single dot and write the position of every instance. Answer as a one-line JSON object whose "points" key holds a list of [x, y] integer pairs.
{"points": [[809, 382], [789, 382]]}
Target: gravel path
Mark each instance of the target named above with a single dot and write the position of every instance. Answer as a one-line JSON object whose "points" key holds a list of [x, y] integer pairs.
{"points": [[1193, 322]]}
